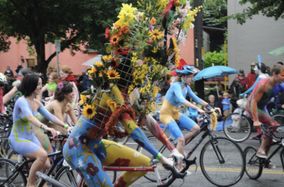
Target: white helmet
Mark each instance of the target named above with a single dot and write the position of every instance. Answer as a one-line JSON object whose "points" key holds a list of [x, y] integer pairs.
{"points": [[3, 78]]}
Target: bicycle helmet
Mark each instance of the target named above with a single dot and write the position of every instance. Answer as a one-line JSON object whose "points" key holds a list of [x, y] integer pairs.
{"points": [[3, 78], [186, 70]]}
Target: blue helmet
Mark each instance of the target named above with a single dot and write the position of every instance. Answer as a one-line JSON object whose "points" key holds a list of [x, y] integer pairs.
{"points": [[186, 70]]}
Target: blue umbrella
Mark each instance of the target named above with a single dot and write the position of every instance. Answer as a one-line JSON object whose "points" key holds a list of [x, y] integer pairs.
{"points": [[214, 71]]}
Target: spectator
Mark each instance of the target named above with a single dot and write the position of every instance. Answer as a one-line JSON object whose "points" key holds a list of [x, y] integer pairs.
{"points": [[236, 89], [212, 101], [200, 117], [81, 79], [236, 124], [9, 71], [251, 76], [19, 67], [183, 110], [66, 74], [268, 70], [86, 83], [51, 85], [9, 85], [226, 104], [243, 79], [281, 63], [3, 81], [279, 104], [31, 68]]}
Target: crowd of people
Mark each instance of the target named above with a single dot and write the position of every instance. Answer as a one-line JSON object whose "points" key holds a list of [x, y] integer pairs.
{"points": [[31, 118]]}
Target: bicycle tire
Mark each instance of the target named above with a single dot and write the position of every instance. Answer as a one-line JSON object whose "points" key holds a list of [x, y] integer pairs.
{"points": [[67, 177], [164, 174], [280, 120], [253, 166], [8, 168], [225, 173], [243, 132]]}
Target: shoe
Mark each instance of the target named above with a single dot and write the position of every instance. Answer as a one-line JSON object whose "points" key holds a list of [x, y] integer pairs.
{"points": [[271, 166], [188, 173], [234, 130], [261, 154]]}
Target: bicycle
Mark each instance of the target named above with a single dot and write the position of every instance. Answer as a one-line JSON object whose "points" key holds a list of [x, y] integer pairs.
{"points": [[16, 173], [5, 128], [67, 176], [244, 126], [218, 152], [254, 164]]}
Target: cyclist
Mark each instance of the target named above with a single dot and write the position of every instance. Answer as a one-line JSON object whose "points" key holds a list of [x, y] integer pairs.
{"points": [[3, 81], [51, 85], [22, 139], [22, 73], [261, 95], [169, 112], [60, 106]]}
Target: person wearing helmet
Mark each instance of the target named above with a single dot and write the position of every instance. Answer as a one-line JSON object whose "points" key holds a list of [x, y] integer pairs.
{"points": [[169, 112], [3, 81], [22, 73]]}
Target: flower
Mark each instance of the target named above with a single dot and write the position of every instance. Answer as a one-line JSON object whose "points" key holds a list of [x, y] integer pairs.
{"points": [[125, 29], [151, 28], [83, 99], [107, 58], [99, 64], [107, 33], [118, 51], [113, 74], [111, 103], [92, 169], [60, 85], [93, 70], [156, 35], [114, 40], [153, 21], [113, 63], [84, 140], [126, 15], [89, 111]]}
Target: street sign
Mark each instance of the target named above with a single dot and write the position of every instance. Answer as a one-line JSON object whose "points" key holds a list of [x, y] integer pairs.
{"points": [[57, 46]]}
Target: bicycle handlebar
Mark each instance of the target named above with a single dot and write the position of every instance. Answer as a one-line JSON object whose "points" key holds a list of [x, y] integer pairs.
{"points": [[49, 179], [176, 174]]}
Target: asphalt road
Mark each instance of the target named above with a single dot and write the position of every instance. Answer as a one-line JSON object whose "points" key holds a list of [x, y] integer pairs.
{"points": [[269, 177]]}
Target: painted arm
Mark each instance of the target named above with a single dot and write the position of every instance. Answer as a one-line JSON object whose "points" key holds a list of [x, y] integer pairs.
{"points": [[9, 95]]}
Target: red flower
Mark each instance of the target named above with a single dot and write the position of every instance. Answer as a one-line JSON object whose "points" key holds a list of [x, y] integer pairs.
{"points": [[121, 162], [124, 52], [113, 63], [120, 182], [107, 33], [118, 51], [149, 41], [126, 48], [84, 140], [125, 29], [119, 33], [93, 170]]}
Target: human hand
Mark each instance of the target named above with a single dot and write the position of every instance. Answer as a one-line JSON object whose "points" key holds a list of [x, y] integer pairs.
{"points": [[282, 106], [201, 111], [179, 157], [218, 109], [69, 128], [52, 130], [257, 124]]}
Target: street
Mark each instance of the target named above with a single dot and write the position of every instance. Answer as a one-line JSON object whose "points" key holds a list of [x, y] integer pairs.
{"points": [[271, 178]]}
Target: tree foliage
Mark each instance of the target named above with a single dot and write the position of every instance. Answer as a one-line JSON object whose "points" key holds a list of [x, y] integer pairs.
{"points": [[216, 58], [4, 43], [268, 8], [73, 22]]}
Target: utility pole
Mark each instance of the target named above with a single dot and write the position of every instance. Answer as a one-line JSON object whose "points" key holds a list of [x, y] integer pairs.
{"points": [[198, 44]]}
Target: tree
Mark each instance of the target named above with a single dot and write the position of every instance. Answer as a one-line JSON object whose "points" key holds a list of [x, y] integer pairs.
{"points": [[73, 22], [214, 58], [269, 8], [4, 43]]}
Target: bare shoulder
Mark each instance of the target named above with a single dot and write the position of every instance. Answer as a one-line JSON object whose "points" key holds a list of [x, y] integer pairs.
{"points": [[69, 107], [38, 103]]}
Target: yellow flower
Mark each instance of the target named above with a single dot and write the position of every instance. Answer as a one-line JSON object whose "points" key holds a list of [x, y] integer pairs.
{"points": [[113, 74], [126, 15], [155, 50], [112, 104], [176, 49], [99, 64], [83, 99], [156, 35], [89, 111], [155, 91], [93, 70], [107, 58]]}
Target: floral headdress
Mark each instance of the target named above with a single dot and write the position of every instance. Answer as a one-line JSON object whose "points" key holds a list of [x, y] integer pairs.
{"points": [[138, 36]]}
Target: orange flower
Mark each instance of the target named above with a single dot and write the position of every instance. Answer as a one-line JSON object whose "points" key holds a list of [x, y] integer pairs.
{"points": [[125, 29], [112, 104], [153, 21], [114, 40], [107, 33]]}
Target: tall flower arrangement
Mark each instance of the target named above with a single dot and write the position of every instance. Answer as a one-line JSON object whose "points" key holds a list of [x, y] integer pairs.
{"points": [[139, 37]]}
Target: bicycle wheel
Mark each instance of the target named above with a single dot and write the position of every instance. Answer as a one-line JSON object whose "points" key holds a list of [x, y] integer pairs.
{"points": [[242, 131], [68, 177], [280, 119], [7, 169], [253, 166], [164, 174], [222, 161]]}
